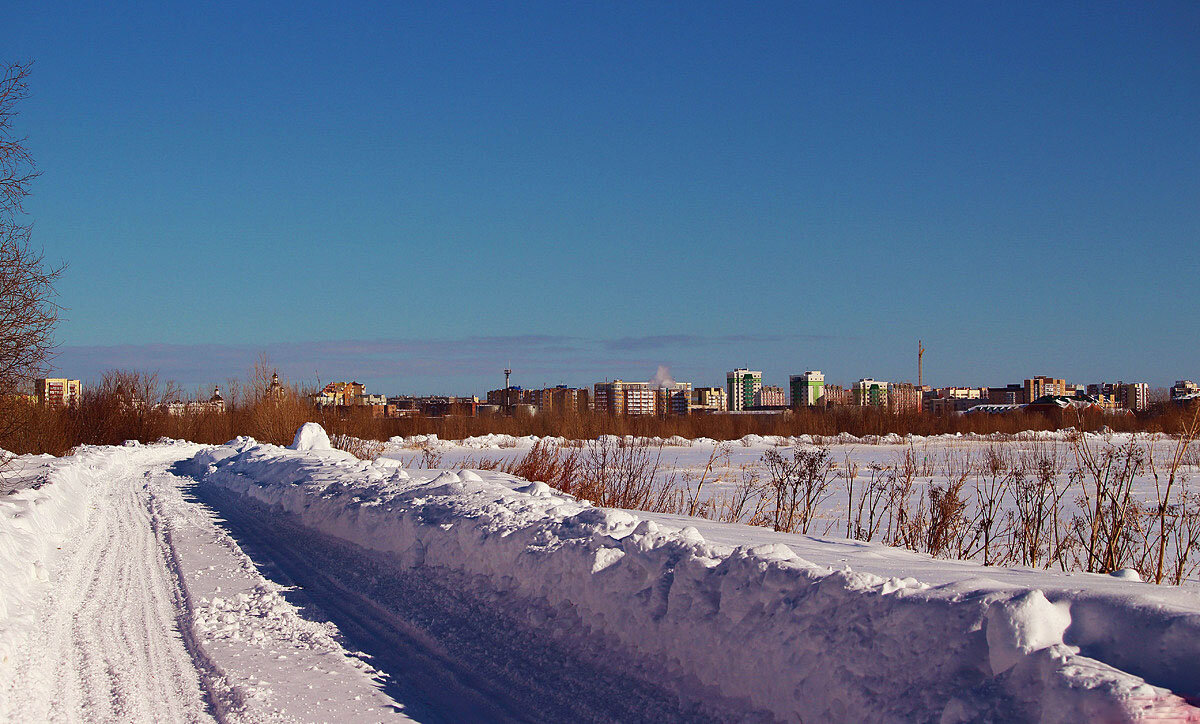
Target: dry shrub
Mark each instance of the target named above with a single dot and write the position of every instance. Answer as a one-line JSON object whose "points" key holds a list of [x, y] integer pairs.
{"points": [[550, 464], [609, 471], [905, 525], [871, 507], [1108, 513], [480, 463], [748, 504], [356, 446], [693, 503], [1036, 513], [622, 473], [799, 484]]}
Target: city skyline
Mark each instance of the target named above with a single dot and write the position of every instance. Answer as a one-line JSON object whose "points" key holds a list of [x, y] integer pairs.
{"points": [[370, 362]]}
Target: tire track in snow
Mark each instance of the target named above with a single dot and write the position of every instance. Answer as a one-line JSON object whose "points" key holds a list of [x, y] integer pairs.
{"points": [[220, 696], [110, 648]]}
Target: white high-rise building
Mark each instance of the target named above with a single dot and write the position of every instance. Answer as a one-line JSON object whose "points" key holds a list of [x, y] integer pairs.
{"points": [[870, 393]]}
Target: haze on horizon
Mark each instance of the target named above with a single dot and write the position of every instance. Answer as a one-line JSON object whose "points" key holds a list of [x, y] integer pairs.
{"points": [[415, 197]]}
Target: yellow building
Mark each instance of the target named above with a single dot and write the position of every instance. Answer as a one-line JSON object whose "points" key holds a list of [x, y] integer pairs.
{"points": [[1040, 386], [57, 392], [711, 399]]}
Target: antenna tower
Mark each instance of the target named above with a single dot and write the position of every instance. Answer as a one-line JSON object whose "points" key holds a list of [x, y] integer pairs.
{"points": [[920, 355], [507, 391]]}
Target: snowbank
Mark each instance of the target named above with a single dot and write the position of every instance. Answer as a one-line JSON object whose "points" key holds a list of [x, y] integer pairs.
{"points": [[756, 625], [35, 520], [310, 436], [33, 523]]}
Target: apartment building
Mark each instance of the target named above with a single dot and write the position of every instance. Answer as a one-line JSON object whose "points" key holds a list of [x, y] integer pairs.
{"points": [[1013, 394], [340, 394], [904, 397], [674, 398], [561, 399], [57, 392], [743, 386], [1040, 386], [624, 398], [869, 393], [960, 393], [428, 406], [808, 389], [770, 396], [836, 395], [710, 399], [944, 400], [1184, 388], [640, 401], [506, 397], [1133, 396]]}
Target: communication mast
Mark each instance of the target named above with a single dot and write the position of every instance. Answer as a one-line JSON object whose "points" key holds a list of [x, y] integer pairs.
{"points": [[920, 355], [507, 390]]}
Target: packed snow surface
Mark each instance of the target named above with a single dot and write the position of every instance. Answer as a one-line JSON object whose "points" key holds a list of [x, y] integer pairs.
{"points": [[251, 582]]}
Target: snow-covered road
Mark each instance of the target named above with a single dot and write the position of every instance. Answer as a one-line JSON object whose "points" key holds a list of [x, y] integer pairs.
{"points": [[150, 612], [443, 655], [106, 645], [168, 600]]}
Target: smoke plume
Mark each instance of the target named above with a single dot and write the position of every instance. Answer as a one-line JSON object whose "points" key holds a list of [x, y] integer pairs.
{"points": [[662, 378]]}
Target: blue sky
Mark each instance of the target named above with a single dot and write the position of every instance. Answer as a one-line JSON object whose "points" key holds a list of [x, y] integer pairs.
{"points": [[415, 196]]}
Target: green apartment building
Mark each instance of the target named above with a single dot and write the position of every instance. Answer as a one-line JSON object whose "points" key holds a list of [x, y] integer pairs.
{"points": [[743, 386], [808, 389]]}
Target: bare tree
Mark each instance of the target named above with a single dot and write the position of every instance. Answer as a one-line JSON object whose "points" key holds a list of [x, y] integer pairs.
{"points": [[16, 165], [28, 313]]}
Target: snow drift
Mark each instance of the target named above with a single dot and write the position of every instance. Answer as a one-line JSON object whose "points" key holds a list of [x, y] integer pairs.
{"points": [[758, 627], [34, 521]]}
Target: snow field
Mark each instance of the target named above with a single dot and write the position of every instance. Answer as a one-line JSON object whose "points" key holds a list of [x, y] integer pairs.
{"points": [[759, 626], [874, 469]]}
